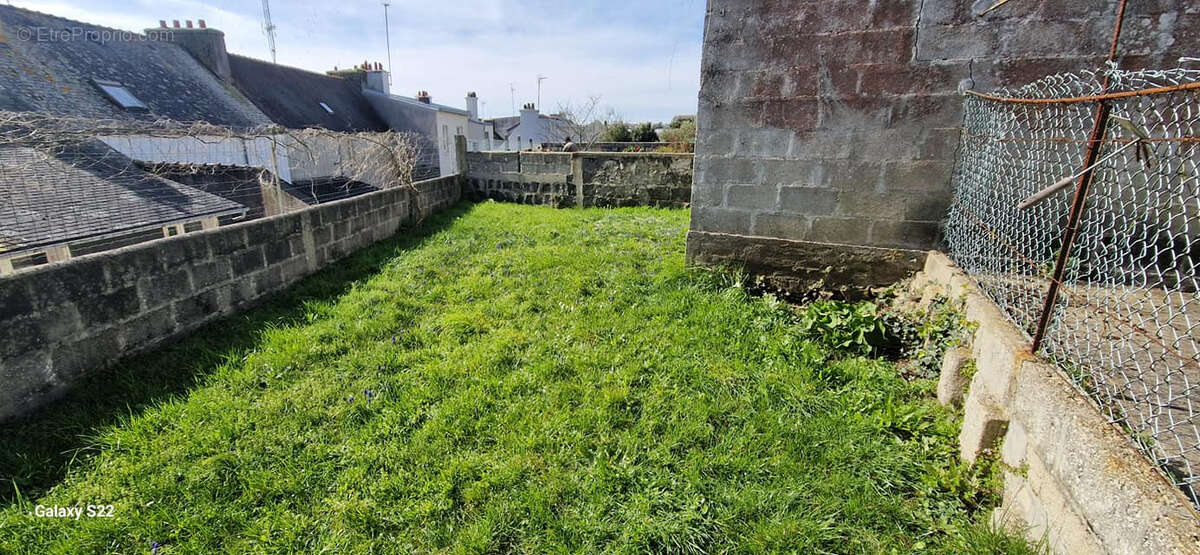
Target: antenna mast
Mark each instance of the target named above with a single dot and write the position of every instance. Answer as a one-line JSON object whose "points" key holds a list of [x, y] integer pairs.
{"points": [[540, 78], [387, 30], [269, 28]]}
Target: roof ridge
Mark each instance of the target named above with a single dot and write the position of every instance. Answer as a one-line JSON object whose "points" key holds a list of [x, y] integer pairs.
{"points": [[285, 66], [69, 20]]}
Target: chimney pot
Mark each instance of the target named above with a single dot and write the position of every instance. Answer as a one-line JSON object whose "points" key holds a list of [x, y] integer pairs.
{"points": [[202, 24], [162, 23], [188, 23], [175, 23]]}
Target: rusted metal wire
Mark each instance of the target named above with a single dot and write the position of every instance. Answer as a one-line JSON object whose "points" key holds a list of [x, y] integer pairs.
{"points": [[1125, 324], [1081, 191], [1088, 98]]}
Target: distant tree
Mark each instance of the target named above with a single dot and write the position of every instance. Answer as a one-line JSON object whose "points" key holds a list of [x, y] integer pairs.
{"points": [[618, 132], [644, 133], [582, 122], [683, 132]]}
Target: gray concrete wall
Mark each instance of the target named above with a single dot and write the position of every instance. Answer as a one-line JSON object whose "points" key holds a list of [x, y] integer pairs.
{"points": [[60, 321], [1070, 478], [836, 122], [606, 179]]}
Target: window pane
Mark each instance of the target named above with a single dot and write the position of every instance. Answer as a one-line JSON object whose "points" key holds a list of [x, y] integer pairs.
{"points": [[122, 96]]}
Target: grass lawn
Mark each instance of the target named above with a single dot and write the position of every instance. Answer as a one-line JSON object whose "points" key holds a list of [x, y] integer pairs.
{"points": [[511, 378]]}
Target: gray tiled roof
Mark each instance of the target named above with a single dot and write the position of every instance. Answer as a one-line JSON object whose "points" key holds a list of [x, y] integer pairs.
{"points": [[87, 190], [292, 97], [45, 68]]}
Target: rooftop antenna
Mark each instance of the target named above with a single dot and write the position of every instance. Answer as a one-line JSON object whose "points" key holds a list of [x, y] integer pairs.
{"points": [[540, 78], [512, 89], [387, 33], [269, 28]]}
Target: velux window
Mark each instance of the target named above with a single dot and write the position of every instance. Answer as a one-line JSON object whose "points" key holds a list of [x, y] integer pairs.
{"points": [[120, 95], [326, 107]]}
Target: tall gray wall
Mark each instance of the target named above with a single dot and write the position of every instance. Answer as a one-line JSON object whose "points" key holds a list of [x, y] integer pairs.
{"points": [[826, 122], [60, 321]]}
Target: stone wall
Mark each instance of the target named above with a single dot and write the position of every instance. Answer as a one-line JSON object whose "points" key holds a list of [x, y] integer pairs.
{"points": [[836, 122], [581, 178], [60, 321], [1070, 478]]}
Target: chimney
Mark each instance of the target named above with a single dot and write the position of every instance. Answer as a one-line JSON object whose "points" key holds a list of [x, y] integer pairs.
{"points": [[423, 96], [377, 79], [473, 105], [531, 124], [162, 24], [206, 45]]}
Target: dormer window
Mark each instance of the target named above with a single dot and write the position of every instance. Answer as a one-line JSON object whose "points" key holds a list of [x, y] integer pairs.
{"points": [[326, 107], [120, 95]]}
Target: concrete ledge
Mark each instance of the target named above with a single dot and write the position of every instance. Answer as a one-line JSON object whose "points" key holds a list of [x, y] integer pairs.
{"points": [[804, 269], [1072, 479]]}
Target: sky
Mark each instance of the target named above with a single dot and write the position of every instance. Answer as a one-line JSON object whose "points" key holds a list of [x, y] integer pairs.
{"points": [[642, 58]]}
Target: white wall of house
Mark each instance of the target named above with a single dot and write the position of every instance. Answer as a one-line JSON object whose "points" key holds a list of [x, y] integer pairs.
{"points": [[233, 151], [448, 125]]}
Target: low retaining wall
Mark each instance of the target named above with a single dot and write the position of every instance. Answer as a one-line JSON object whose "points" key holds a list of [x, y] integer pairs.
{"points": [[60, 321], [1070, 477], [581, 178]]}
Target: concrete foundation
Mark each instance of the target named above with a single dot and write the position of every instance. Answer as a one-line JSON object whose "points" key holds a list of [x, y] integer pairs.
{"points": [[1071, 479]]}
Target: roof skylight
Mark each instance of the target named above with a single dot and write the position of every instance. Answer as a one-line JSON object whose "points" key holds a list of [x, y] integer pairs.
{"points": [[119, 94], [326, 107]]}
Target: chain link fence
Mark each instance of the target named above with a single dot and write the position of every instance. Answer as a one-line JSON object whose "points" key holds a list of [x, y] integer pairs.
{"points": [[1123, 250], [74, 186]]}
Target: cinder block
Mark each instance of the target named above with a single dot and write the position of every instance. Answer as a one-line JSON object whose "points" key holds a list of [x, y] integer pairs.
{"points": [[924, 177], [982, 426], [871, 204], [952, 383], [816, 201], [905, 234], [752, 197], [71, 360], [109, 308], [721, 220], [207, 274], [781, 225], [1016, 443], [845, 231], [999, 350], [957, 42], [148, 327]]}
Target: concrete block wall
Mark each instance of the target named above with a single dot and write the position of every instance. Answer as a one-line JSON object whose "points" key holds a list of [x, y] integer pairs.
{"points": [[837, 122], [1070, 478], [60, 321], [581, 178]]}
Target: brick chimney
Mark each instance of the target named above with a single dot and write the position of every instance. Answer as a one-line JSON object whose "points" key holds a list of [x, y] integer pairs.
{"points": [[205, 44]]}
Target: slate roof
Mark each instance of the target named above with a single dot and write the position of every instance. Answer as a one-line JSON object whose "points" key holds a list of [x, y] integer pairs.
{"points": [[292, 97], [326, 189], [87, 190], [46, 68]]}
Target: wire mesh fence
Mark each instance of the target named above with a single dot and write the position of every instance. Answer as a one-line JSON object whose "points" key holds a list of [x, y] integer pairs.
{"points": [[73, 186], [1125, 323]]}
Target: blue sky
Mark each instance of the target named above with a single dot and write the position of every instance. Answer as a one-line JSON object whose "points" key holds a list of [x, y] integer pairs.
{"points": [[641, 57]]}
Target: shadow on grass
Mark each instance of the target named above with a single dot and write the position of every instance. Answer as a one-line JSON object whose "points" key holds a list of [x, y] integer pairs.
{"points": [[36, 451]]}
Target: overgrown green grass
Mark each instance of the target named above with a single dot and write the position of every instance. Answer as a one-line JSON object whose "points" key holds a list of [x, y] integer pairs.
{"points": [[522, 379]]}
